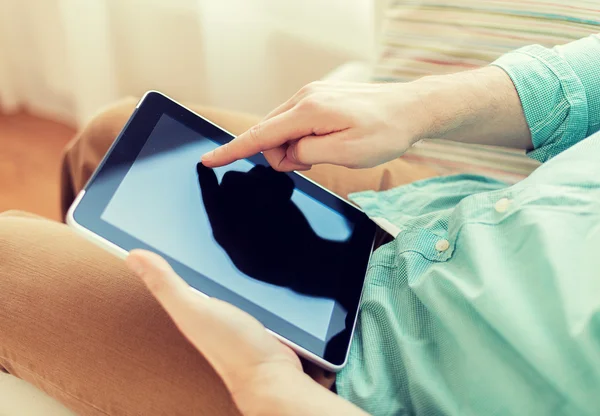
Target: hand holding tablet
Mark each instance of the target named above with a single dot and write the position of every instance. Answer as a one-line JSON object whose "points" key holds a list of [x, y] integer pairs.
{"points": [[258, 370]]}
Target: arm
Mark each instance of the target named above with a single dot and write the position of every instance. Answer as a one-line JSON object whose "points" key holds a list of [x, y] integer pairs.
{"points": [[480, 106], [534, 98], [363, 125]]}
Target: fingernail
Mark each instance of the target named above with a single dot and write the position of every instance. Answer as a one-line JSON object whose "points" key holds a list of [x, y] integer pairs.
{"points": [[208, 156], [135, 265]]}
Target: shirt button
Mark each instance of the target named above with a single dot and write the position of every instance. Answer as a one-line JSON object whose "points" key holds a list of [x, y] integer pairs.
{"points": [[442, 245], [502, 205]]}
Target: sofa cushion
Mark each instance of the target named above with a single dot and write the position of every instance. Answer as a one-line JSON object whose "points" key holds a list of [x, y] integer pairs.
{"points": [[18, 398], [432, 37]]}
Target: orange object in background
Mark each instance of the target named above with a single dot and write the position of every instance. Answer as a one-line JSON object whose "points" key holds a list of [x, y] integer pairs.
{"points": [[30, 155]]}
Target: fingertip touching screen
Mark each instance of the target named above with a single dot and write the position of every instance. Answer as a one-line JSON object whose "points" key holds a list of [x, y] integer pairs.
{"points": [[273, 244]]}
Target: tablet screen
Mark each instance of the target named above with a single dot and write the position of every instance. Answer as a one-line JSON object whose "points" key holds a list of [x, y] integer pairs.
{"points": [[274, 244], [160, 202]]}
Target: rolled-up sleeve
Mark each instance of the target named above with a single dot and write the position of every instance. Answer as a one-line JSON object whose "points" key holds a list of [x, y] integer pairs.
{"points": [[559, 89]]}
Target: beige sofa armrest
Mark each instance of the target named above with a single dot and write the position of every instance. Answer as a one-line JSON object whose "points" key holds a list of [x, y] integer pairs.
{"points": [[18, 398]]}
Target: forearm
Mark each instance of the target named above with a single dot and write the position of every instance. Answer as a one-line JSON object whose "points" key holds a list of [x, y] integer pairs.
{"points": [[533, 98], [480, 106]]}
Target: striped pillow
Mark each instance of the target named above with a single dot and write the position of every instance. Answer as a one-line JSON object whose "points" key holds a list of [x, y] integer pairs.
{"points": [[431, 37]]}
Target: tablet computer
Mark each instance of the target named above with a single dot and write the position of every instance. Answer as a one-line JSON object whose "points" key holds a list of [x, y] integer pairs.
{"points": [[276, 245]]}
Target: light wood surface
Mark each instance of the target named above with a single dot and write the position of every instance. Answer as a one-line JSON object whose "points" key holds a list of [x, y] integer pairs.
{"points": [[30, 155]]}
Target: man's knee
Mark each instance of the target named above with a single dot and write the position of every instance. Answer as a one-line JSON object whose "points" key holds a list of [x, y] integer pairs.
{"points": [[104, 127], [19, 231], [83, 154]]}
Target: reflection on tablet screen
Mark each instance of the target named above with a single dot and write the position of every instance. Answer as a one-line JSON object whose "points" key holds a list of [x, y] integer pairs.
{"points": [[243, 226]]}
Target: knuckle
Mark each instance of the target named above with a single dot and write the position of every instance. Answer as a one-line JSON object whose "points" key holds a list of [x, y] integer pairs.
{"points": [[306, 90], [310, 88], [309, 104], [255, 133], [227, 151], [222, 151]]}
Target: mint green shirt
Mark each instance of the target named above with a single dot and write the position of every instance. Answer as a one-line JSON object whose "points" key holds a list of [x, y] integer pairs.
{"points": [[488, 301]]}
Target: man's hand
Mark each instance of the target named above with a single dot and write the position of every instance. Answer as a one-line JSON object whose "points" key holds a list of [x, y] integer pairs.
{"points": [[348, 124], [364, 125], [263, 376]]}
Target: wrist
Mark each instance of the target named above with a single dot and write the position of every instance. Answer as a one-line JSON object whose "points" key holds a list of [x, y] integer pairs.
{"points": [[291, 394], [426, 108], [444, 104], [284, 397], [407, 109], [270, 391], [480, 106]]}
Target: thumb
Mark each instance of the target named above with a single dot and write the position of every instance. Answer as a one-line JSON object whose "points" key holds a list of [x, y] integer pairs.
{"points": [[170, 290], [231, 340]]}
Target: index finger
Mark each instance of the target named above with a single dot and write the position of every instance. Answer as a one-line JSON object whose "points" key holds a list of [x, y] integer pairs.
{"points": [[266, 135], [171, 291], [188, 310]]}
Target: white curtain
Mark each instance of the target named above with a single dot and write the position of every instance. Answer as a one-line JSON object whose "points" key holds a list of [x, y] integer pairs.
{"points": [[68, 58]]}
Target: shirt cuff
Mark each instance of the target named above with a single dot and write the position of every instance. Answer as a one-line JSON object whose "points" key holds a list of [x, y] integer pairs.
{"points": [[553, 98], [583, 57]]}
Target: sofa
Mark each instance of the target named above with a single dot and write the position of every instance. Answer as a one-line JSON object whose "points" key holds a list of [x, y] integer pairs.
{"points": [[417, 38]]}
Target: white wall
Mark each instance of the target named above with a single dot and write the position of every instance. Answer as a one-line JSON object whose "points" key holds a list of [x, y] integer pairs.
{"points": [[68, 57], [259, 52]]}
